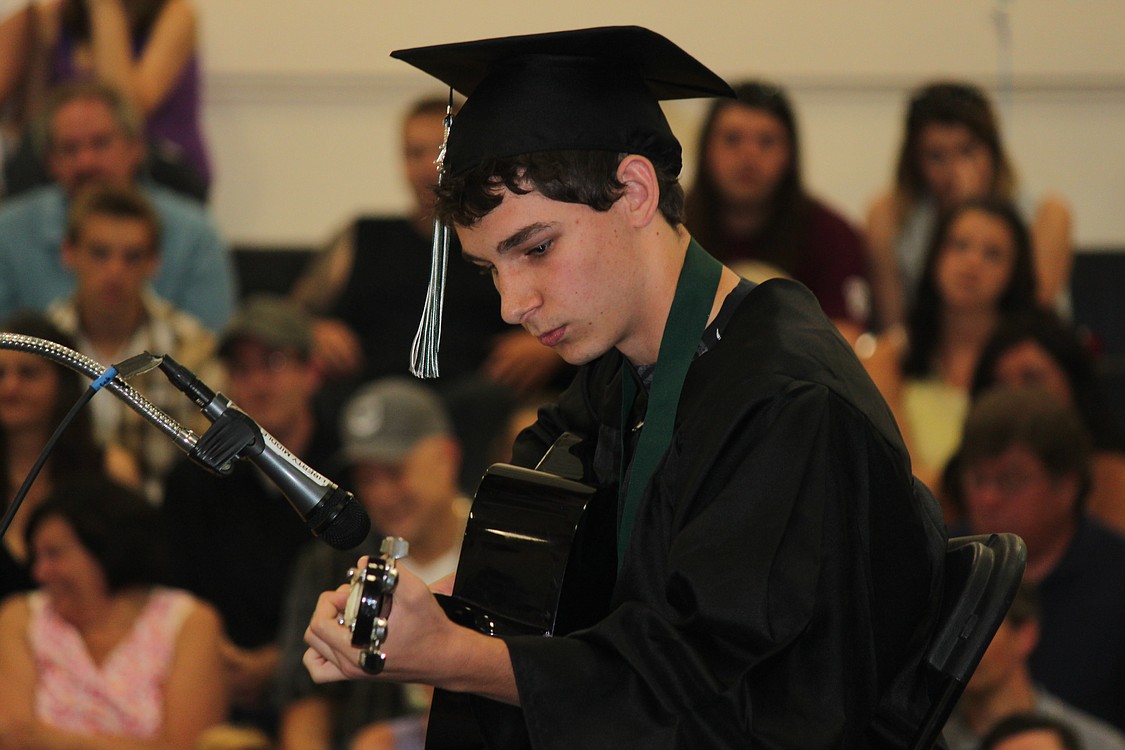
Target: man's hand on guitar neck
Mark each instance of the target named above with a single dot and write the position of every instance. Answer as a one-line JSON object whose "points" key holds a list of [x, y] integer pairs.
{"points": [[422, 646]]}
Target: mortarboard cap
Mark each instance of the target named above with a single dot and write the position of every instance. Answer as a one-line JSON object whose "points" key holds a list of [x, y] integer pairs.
{"points": [[583, 90], [590, 89]]}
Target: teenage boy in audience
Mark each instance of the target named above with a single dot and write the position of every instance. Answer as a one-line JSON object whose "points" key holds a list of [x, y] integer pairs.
{"points": [[112, 246]]}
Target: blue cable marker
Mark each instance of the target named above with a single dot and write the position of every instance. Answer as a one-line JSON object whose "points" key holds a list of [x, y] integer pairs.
{"points": [[106, 376]]}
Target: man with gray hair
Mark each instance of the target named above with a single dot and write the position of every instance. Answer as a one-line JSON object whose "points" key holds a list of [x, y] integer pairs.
{"points": [[398, 445], [93, 138]]}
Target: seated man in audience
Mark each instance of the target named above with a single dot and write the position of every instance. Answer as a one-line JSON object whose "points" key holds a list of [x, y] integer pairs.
{"points": [[92, 137], [112, 245], [368, 289], [403, 458], [1002, 686], [233, 539], [1024, 468]]}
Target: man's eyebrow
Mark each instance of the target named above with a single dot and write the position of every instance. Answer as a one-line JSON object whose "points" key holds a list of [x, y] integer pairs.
{"points": [[521, 236], [516, 239]]}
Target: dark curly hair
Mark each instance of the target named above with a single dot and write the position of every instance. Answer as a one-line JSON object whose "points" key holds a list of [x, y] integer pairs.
{"points": [[118, 527], [585, 177]]}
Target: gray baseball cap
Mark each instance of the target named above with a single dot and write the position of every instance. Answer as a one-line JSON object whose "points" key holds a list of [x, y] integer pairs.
{"points": [[269, 320], [385, 419]]}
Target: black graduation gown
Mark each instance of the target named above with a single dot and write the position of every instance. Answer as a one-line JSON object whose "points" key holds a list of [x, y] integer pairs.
{"points": [[783, 570]]}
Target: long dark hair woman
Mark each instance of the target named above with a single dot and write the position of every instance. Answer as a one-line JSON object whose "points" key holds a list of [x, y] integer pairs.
{"points": [[748, 206], [978, 270]]}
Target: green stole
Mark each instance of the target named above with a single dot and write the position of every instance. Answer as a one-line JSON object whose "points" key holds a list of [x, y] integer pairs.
{"points": [[691, 307]]}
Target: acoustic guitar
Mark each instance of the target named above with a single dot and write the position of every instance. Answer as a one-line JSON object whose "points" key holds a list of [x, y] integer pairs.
{"points": [[511, 576]]}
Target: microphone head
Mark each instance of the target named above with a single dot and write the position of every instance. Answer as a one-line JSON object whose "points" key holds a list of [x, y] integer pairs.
{"points": [[341, 522]]}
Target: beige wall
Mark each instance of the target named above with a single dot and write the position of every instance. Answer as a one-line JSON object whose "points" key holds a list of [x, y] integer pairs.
{"points": [[302, 101]]}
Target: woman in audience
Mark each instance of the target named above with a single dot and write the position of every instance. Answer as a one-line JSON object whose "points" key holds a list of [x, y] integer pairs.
{"points": [[35, 395], [1037, 349], [952, 151], [978, 269], [749, 208], [102, 656], [147, 50]]}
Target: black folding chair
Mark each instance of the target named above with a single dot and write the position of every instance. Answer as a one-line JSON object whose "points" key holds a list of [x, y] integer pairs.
{"points": [[982, 574]]}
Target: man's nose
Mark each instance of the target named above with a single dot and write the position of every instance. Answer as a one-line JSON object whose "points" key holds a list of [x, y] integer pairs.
{"points": [[517, 298]]}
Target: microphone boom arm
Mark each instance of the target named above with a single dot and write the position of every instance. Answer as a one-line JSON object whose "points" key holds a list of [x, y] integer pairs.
{"points": [[185, 439], [329, 511]]}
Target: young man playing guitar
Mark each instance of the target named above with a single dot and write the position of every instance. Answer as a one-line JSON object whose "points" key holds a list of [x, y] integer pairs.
{"points": [[763, 568]]}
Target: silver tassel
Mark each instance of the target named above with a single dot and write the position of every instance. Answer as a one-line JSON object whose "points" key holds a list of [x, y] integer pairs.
{"points": [[424, 351]]}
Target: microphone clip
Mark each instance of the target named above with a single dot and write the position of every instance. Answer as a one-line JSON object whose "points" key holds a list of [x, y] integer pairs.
{"points": [[231, 436]]}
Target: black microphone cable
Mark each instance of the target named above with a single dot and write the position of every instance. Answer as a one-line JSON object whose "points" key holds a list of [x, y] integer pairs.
{"points": [[126, 369]]}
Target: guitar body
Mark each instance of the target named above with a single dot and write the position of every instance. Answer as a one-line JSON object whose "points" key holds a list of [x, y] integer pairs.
{"points": [[510, 580]]}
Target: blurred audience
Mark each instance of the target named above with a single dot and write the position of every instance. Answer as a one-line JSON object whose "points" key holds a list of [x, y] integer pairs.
{"points": [[1024, 468], [35, 395], [748, 206], [234, 538], [93, 138], [112, 245], [1038, 349], [1002, 686], [102, 655], [147, 51], [952, 151], [978, 269], [403, 458]]}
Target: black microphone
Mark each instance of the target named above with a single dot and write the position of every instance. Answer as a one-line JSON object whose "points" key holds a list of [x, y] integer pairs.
{"points": [[329, 512]]}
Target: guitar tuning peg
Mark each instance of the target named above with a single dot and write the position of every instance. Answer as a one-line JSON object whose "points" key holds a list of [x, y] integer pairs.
{"points": [[394, 547]]}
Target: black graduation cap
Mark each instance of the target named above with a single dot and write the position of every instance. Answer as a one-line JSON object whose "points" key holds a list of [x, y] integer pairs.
{"points": [[589, 89]]}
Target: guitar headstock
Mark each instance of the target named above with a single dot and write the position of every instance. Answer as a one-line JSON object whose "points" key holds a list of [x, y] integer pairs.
{"points": [[369, 602]]}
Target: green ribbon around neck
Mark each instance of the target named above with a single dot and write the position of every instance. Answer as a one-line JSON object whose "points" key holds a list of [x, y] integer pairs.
{"points": [[691, 307]]}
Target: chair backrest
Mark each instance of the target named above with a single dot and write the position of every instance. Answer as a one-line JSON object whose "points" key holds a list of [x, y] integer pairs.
{"points": [[982, 574]]}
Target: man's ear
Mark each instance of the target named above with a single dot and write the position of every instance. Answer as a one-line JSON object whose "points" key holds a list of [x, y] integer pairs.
{"points": [[642, 189]]}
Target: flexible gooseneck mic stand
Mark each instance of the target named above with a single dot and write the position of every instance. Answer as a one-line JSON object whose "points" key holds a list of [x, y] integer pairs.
{"points": [[114, 379], [328, 511]]}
